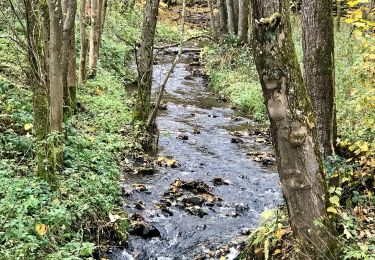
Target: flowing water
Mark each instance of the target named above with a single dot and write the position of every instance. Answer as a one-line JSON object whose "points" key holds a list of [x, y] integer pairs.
{"points": [[209, 152]]}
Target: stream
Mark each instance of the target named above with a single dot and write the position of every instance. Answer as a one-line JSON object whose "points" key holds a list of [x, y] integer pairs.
{"points": [[216, 191]]}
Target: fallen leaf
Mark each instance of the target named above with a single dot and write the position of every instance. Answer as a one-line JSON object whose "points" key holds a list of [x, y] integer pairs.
{"points": [[113, 218], [41, 229], [332, 210], [335, 200], [28, 126]]}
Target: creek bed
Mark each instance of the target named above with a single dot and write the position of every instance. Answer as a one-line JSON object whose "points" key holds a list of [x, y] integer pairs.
{"points": [[196, 130]]}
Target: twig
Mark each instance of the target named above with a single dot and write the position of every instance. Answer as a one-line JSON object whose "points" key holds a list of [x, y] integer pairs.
{"points": [[183, 42], [154, 112]]}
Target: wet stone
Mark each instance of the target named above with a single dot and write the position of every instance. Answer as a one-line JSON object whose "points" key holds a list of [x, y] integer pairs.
{"points": [[139, 205], [222, 99], [241, 207], [197, 211], [182, 136], [196, 131], [146, 170], [220, 181], [195, 200], [236, 140]]}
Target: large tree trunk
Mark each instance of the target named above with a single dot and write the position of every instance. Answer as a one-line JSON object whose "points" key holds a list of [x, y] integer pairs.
{"points": [[243, 18], [145, 61], [292, 127], [222, 17], [231, 17], [94, 37], [318, 61], [212, 20], [69, 79], [37, 79], [55, 65], [84, 23]]}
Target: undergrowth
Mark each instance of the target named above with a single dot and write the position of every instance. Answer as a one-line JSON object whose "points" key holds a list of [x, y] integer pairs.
{"points": [[73, 221], [232, 73]]}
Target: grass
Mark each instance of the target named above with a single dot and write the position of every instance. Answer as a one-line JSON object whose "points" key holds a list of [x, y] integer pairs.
{"points": [[233, 74]]}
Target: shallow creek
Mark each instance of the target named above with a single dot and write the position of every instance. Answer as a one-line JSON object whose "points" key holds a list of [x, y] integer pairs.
{"points": [[196, 130]]}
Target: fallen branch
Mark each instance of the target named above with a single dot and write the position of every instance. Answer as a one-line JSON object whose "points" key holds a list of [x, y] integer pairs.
{"points": [[152, 118], [183, 42]]}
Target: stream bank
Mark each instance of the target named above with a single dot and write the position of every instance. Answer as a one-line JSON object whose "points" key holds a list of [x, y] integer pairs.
{"points": [[206, 190]]}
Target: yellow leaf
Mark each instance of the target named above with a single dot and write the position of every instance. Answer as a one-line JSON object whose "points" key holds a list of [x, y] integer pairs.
{"points": [[335, 200], [99, 91], [279, 233], [28, 126], [41, 229], [332, 210], [222, 257], [267, 214], [276, 252]]}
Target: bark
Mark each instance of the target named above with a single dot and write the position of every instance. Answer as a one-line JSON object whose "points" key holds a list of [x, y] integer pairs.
{"points": [[84, 23], [37, 80], [102, 16], [56, 74], [318, 61], [231, 17], [145, 60], [55, 64], [292, 128], [236, 11], [223, 29], [212, 20], [243, 18], [69, 78], [94, 37]]}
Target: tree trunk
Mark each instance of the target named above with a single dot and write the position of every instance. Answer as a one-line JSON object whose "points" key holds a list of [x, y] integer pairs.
{"points": [[318, 61], [212, 20], [94, 37], [292, 128], [243, 18], [84, 23], [145, 61], [222, 17], [55, 65], [236, 11], [56, 73], [102, 16], [37, 80], [69, 79], [231, 17]]}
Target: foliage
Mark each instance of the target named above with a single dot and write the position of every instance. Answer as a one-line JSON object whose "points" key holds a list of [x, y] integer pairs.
{"points": [[271, 240], [233, 74], [40, 223]]}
